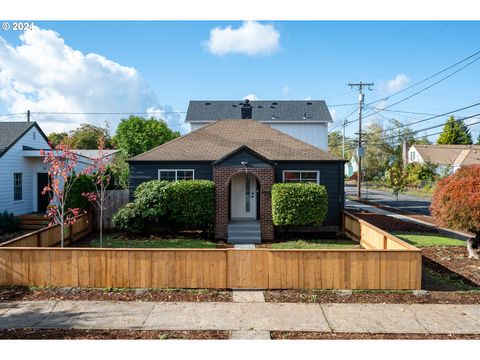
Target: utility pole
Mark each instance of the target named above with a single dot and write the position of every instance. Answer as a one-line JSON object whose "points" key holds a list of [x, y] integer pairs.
{"points": [[343, 139], [28, 115], [360, 150]]}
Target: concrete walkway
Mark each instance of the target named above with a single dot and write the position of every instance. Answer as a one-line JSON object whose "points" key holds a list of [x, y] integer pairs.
{"points": [[245, 320], [373, 209]]}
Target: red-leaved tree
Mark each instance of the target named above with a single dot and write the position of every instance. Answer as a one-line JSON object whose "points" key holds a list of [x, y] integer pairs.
{"points": [[456, 204], [62, 177], [101, 179]]}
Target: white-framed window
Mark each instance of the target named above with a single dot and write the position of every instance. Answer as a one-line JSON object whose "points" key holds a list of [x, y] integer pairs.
{"points": [[176, 174], [301, 176], [412, 155], [17, 187]]}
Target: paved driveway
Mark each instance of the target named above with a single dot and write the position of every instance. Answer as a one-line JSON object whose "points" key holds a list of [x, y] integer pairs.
{"points": [[410, 203]]}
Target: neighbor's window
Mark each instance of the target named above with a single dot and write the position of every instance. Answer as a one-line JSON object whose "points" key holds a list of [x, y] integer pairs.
{"points": [[174, 175], [412, 155], [301, 176], [17, 186]]}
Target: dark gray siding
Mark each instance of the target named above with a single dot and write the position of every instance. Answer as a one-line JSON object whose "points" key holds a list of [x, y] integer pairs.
{"points": [[141, 171], [331, 176], [236, 160]]}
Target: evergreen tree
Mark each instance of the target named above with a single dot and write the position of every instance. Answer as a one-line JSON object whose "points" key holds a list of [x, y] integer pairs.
{"points": [[455, 132], [478, 140]]}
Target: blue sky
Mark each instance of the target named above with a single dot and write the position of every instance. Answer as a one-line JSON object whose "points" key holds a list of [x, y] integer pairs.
{"points": [[173, 65]]}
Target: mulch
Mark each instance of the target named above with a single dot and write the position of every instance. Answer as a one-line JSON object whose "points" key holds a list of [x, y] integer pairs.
{"points": [[455, 259], [75, 294], [12, 235], [84, 334], [389, 223], [372, 297], [299, 335]]}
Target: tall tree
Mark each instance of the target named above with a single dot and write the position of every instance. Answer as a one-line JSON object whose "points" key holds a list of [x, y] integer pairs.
{"points": [[136, 134], [335, 139], [88, 136], [455, 132], [56, 138]]}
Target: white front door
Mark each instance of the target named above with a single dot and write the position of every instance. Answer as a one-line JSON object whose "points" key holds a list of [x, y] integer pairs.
{"points": [[243, 197]]}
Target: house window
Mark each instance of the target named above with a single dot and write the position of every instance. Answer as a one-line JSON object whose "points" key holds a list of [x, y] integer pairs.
{"points": [[412, 155], [17, 186], [301, 176], [176, 174]]}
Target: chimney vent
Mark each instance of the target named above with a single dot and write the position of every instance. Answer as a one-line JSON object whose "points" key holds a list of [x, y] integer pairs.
{"points": [[246, 110]]}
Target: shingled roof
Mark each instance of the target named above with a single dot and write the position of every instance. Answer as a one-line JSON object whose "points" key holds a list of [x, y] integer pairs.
{"points": [[449, 154], [221, 137], [11, 132], [272, 110]]}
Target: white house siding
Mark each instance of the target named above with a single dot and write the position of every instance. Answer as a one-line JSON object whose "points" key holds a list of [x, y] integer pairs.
{"points": [[315, 134], [12, 162]]}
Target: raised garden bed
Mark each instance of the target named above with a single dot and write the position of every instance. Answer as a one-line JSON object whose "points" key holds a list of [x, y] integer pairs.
{"points": [[391, 224], [312, 244], [57, 293], [94, 334]]}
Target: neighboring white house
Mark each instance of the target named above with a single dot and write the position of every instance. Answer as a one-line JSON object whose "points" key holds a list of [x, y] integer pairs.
{"points": [[306, 120], [351, 167], [448, 158], [23, 174]]}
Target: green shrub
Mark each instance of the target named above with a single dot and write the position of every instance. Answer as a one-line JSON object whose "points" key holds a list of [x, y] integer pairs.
{"points": [[75, 199], [299, 204], [128, 218], [152, 198], [192, 203], [8, 222]]}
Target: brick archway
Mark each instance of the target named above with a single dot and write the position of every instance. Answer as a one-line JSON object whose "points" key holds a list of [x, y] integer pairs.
{"points": [[222, 177]]}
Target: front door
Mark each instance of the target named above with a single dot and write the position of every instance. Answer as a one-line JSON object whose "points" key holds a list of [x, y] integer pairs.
{"points": [[43, 200], [243, 195]]}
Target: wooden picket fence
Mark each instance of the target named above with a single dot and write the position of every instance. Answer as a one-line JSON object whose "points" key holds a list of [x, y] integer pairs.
{"points": [[386, 263]]}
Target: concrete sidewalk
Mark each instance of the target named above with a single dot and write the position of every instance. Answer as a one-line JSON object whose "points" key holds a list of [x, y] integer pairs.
{"points": [[243, 318], [373, 209]]}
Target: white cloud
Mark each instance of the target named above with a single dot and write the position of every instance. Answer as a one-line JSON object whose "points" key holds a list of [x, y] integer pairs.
{"points": [[251, 97], [43, 74], [286, 89], [252, 39], [333, 112], [400, 82]]}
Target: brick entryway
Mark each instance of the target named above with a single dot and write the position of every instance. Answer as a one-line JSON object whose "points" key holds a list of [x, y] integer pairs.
{"points": [[222, 177]]}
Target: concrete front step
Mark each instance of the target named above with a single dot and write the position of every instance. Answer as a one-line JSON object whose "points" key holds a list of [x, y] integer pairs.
{"points": [[244, 240], [234, 227]]}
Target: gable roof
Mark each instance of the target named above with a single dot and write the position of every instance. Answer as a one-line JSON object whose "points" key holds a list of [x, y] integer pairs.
{"points": [[11, 132], [456, 155], [273, 110], [241, 149], [94, 154], [220, 138]]}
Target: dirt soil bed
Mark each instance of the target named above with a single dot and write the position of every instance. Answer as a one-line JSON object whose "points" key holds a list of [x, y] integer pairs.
{"points": [[388, 223], [373, 297], [41, 294], [455, 259], [82, 334], [13, 235], [298, 335]]}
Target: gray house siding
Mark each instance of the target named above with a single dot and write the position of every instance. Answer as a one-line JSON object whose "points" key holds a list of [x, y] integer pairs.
{"points": [[331, 176], [145, 171]]}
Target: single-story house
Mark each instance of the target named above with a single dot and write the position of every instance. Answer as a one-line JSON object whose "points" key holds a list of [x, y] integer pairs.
{"points": [[244, 158], [448, 158], [306, 120], [23, 175]]}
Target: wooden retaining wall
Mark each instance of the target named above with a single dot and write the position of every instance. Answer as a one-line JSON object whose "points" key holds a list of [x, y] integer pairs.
{"points": [[386, 263], [50, 236]]}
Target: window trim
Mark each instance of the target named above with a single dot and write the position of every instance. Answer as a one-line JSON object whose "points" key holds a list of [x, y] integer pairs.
{"points": [[300, 171], [21, 187], [176, 172]]}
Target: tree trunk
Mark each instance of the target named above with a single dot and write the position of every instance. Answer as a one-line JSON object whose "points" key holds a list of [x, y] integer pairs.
{"points": [[101, 226], [61, 233], [472, 247]]}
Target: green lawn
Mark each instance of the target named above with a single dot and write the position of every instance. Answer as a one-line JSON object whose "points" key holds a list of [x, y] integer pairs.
{"points": [[119, 241], [428, 239], [316, 244]]}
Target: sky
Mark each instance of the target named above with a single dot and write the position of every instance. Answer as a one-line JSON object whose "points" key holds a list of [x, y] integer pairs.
{"points": [[157, 67]]}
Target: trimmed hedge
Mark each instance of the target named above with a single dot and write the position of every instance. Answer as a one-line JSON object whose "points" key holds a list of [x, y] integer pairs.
{"points": [[188, 204], [299, 204]]}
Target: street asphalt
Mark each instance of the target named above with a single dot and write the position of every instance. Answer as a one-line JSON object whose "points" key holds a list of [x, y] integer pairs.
{"points": [[410, 203]]}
